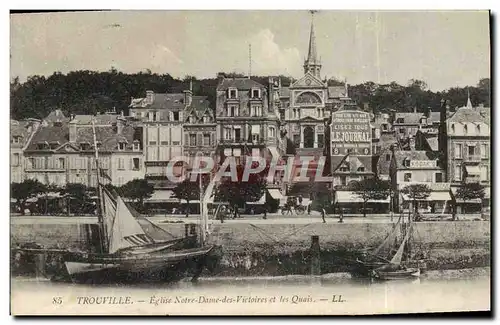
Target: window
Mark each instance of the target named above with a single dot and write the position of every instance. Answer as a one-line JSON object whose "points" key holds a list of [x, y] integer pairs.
{"points": [[121, 163], [62, 162], [175, 143], [406, 162], [191, 119], [255, 93], [484, 173], [152, 143], [175, 116], [484, 150], [237, 135], [401, 130], [255, 138], [384, 127], [458, 173], [192, 139], [137, 146], [361, 169], [423, 120], [232, 110], [150, 116], [321, 140], [227, 133], [400, 120], [272, 132], [296, 139], [15, 159], [84, 146], [206, 139], [344, 168], [121, 146], [439, 177], [206, 119], [16, 139], [31, 163], [343, 180], [407, 177], [233, 93], [471, 150], [458, 150], [255, 110], [136, 163], [387, 157]]}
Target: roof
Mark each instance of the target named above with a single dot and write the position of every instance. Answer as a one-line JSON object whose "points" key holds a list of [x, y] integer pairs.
{"points": [[384, 165], [102, 119], [50, 133], [108, 137], [433, 143], [336, 92], [239, 83], [56, 115], [409, 118], [465, 114], [401, 155], [18, 128], [435, 117], [199, 107], [161, 101]]}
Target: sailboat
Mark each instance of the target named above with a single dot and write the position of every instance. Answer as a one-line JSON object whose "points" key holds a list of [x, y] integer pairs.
{"points": [[386, 260], [132, 249]]}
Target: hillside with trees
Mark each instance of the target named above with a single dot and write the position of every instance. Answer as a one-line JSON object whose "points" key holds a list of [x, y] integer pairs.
{"points": [[89, 92]]}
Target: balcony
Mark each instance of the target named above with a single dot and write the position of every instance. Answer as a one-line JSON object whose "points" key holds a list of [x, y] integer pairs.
{"points": [[472, 158]]}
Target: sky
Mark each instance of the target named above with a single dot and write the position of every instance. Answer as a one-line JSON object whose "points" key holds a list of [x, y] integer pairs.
{"points": [[443, 48]]}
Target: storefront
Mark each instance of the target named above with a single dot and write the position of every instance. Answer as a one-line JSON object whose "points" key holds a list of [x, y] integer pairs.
{"points": [[352, 203], [438, 201]]}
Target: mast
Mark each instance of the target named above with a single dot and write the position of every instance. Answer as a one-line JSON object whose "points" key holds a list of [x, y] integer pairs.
{"points": [[100, 220], [202, 212]]}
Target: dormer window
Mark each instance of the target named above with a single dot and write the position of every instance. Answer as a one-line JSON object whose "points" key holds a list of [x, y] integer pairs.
{"points": [[40, 145], [175, 116], [423, 120], [121, 146], [233, 93], [384, 127], [16, 139], [400, 120], [191, 119], [256, 93], [206, 119], [406, 162], [54, 145], [137, 146], [84, 146], [361, 169], [344, 168]]}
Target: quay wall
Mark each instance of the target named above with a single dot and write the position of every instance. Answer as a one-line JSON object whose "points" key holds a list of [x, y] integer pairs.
{"points": [[280, 249]]}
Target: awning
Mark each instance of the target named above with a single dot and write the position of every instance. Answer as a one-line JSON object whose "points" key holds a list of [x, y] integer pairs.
{"points": [[351, 197], [162, 196], [261, 201], [433, 196], [275, 194], [473, 170]]}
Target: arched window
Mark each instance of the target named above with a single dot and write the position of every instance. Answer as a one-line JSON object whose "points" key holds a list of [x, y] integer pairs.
{"points": [[272, 132]]}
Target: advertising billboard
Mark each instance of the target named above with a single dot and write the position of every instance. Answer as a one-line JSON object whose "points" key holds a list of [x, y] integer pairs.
{"points": [[351, 132]]}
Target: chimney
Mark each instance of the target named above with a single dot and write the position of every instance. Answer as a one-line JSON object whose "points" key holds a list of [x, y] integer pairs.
{"points": [[220, 77], [150, 96], [188, 94], [72, 131], [120, 124]]}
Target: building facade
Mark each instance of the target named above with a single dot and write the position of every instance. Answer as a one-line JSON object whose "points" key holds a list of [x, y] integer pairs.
{"points": [[20, 136]]}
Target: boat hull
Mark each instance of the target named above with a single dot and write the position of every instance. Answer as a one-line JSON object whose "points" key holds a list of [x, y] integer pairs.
{"points": [[406, 273], [165, 267]]}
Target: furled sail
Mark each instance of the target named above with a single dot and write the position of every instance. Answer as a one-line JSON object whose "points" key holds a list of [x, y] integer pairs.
{"points": [[389, 240], [396, 259], [126, 231]]}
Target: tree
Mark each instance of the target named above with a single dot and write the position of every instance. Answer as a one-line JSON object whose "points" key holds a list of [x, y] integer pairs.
{"points": [[239, 191], [190, 190], [416, 192], [137, 190], [29, 188], [371, 189], [470, 191], [77, 195]]}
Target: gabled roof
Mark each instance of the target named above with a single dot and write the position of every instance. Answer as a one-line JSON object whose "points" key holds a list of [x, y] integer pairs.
{"points": [[239, 83], [50, 133], [108, 137], [409, 118], [56, 115], [102, 119], [302, 82]]}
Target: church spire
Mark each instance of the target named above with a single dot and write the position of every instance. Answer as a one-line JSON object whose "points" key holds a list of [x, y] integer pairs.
{"points": [[312, 64], [469, 103]]}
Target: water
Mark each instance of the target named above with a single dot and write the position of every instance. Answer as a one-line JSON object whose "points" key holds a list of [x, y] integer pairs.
{"points": [[334, 294]]}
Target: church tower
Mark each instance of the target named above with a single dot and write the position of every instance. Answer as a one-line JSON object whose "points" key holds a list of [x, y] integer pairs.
{"points": [[312, 64]]}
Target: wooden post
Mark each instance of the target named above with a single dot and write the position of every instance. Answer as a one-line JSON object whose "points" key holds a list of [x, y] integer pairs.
{"points": [[315, 251], [40, 261]]}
